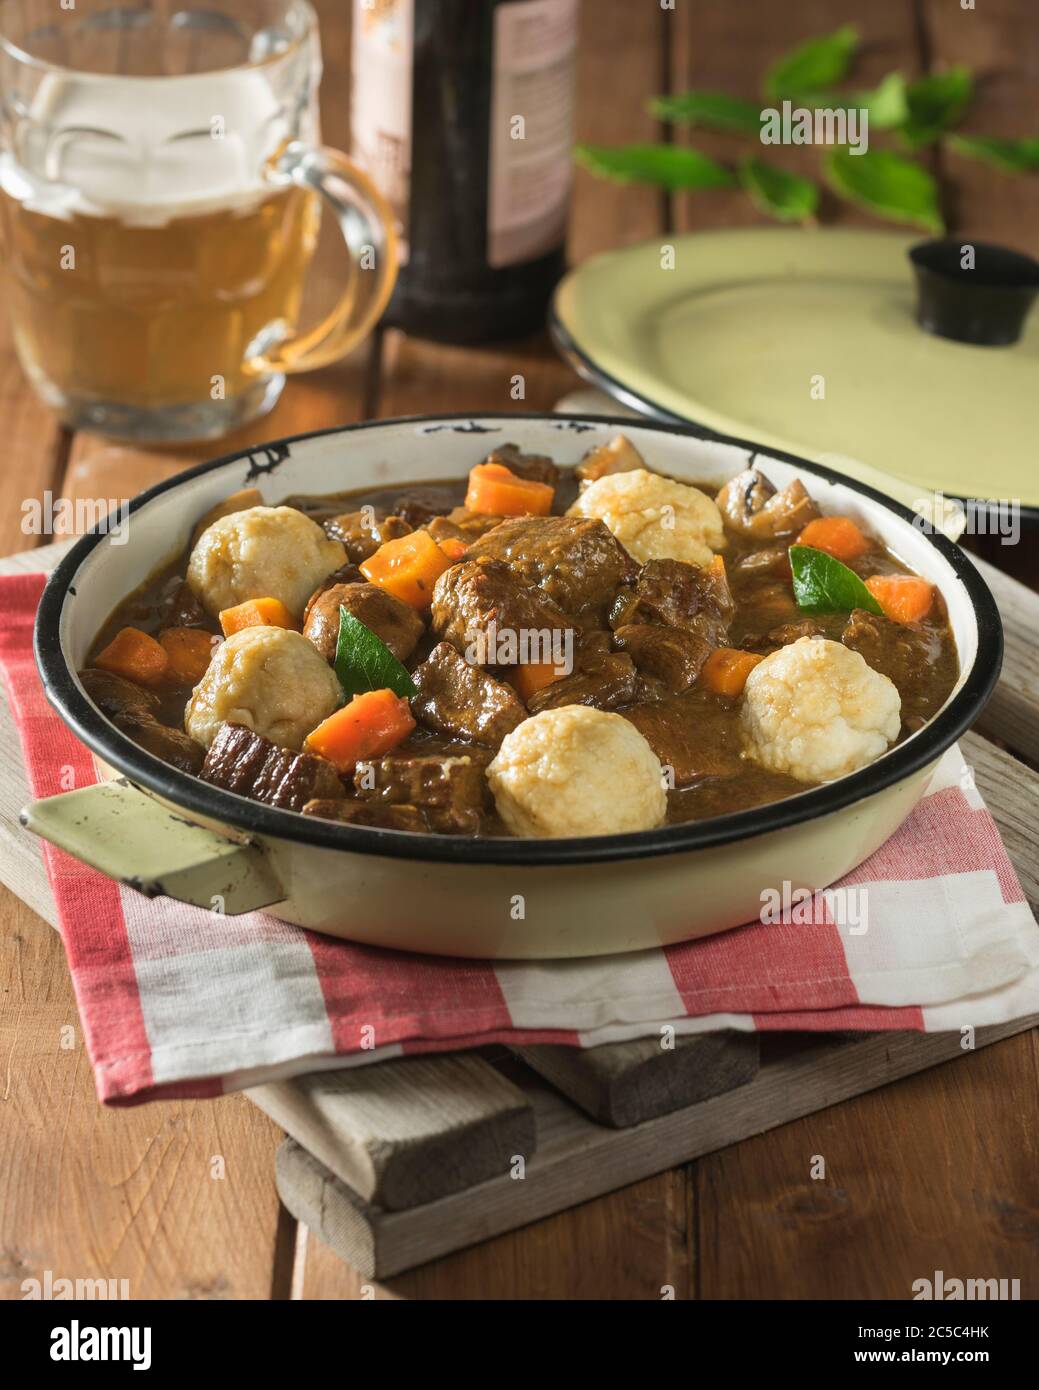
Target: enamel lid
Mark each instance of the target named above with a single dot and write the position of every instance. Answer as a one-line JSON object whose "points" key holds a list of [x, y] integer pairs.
{"points": [[805, 340]]}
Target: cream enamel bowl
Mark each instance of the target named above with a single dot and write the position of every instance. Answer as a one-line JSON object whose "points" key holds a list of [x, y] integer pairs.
{"points": [[449, 894]]}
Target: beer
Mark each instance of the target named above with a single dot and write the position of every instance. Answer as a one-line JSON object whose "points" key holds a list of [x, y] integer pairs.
{"points": [[160, 201], [106, 310]]}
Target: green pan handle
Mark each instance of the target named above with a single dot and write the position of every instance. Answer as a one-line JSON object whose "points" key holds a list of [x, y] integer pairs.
{"points": [[134, 838]]}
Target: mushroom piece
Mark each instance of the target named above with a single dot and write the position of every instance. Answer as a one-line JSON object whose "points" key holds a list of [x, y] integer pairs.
{"points": [[752, 507], [619, 456]]}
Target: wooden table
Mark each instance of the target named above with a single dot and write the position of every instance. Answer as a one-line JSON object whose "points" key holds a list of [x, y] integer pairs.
{"points": [[937, 1171]]}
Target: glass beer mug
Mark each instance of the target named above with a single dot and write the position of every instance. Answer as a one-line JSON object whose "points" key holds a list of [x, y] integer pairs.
{"points": [[161, 186]]}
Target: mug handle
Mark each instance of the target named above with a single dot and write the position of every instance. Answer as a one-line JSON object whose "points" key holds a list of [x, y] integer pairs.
{"points": [[367, 223]]}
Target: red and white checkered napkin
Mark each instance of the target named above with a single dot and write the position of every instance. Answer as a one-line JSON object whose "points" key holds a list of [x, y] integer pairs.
{"points": [[178, 1002]]}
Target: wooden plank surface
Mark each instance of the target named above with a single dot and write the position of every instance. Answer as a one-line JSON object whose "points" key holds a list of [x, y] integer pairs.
{"points": [[1011, 713], [1011, 792], [937, 1172], [405, 1132], [622, 62], [999, 41], [35, 449], [420, 378], [630, 1244], [626, 1083], [176, 1198], [729, 48], [577, 1159]]}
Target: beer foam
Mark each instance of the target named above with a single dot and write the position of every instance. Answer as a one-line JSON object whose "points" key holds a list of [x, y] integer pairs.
{"points": [[146, 150]]}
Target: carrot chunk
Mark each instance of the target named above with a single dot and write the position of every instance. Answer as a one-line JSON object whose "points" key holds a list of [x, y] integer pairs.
{"points": [[453, 548], [527, 680], [189, 651], [257, 612], [726, 670], [904, 598], [496, 491], [369, 726], [135, 655], [837, 535], [408, 567]]}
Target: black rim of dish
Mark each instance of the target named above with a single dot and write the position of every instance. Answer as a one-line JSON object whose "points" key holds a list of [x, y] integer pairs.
{"points": [[203, 799], [652, 412]]}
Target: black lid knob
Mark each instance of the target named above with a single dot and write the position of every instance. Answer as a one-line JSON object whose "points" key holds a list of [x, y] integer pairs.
{"points": [[973, 291]]}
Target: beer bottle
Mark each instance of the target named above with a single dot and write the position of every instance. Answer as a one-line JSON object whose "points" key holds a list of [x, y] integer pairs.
{"points": [[462, 113]]}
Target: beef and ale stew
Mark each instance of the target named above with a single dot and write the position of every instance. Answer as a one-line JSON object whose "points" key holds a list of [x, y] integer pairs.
{"points": [[531, 650]]}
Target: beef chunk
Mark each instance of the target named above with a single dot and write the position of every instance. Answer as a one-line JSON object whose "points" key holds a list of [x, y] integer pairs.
{"points": [[171, 745], [463, 701], [132, 709], [536, 468], [183, 610], [669, 654], [649, 687], [114, 695], [693, 742], [782, 634], [369, 813], [346, 574], [675, 594], [485, 598], [574, 560], [752, 507], [774, 562], [241, 761], [462, 525], [908, 654], [449, 787], [619, 456], [443, 530], [420, 505], [362, 535], [786, 633], [601, 677], [392, 621]]}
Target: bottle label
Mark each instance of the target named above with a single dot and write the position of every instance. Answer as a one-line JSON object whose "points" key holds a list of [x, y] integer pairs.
{"points": [[531, 135], [380, 100]]}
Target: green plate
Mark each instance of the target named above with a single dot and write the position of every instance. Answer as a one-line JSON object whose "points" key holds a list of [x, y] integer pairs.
{"points": [[741, 333]]}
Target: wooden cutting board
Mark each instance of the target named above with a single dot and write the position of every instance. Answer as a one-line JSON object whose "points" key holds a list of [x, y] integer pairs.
{"points": [[397, 1163], [577, 1159]]}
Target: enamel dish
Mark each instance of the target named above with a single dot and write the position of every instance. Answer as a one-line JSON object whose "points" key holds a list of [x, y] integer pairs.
{"points": [[806, 340], [164, 832]]}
